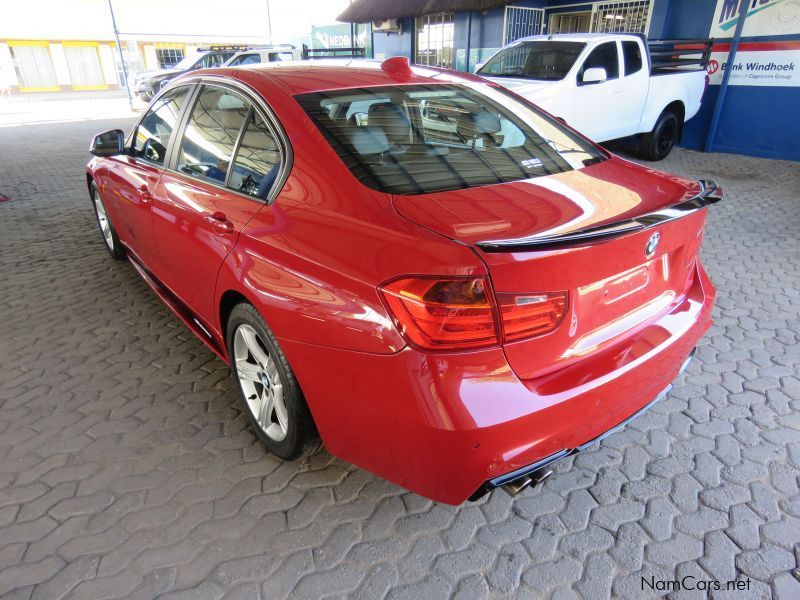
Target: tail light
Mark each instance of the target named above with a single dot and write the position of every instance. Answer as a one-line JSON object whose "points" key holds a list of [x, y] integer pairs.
{"points": [[443, 314], [458, 313], [528, 315]]}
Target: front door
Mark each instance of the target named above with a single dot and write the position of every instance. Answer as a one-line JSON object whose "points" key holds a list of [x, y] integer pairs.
{"points": [[133, 180], [225, 166], [596, 109]]}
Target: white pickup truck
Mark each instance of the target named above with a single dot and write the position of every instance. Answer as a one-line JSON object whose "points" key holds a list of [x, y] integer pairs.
{"points": [[608, 86]]}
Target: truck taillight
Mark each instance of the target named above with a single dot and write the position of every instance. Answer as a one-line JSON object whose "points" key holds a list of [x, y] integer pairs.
{"points": [[443, 313], [454, 313], [529, 315]]}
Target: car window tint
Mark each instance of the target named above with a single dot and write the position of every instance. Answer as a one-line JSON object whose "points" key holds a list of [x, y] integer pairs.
{"points": [[632, 54], [258, 159], [418, 139], [155, 129], [605, 57], [215, 60], [280, 56], [545, 60], [211, 133], [246, 59]]}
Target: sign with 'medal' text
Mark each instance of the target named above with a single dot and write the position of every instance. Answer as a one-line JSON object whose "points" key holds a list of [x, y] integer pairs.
{"points": [[758, 63]]}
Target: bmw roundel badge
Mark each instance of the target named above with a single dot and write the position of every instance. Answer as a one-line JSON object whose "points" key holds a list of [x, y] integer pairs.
{"points": [[652, 244]]}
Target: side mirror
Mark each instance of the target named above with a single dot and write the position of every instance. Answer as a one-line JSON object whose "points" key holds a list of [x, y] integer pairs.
{"points": [[108, 143], [594, 75]]}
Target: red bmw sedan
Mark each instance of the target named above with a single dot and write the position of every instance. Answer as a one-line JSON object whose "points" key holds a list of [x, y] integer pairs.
{"points": [[419, 269]]}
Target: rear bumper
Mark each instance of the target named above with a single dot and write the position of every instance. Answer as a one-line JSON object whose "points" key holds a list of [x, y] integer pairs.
{"points": [[541, 464], [443, 425]]}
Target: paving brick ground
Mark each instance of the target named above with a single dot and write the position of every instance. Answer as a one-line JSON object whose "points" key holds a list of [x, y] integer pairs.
{"points": [[127, 470]]}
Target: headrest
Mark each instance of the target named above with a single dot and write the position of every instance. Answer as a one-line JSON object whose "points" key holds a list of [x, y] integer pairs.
{"points": [[392, 120], [369, 140], [472, 125]]}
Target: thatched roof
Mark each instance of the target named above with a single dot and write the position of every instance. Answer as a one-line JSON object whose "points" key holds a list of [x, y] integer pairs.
{"points": [[363, 11]]}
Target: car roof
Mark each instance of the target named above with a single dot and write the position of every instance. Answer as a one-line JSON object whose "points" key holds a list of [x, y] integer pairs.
{"points": [[331, 74], [577, 37]]}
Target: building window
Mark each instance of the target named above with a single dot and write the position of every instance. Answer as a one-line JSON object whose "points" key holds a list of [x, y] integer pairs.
{"points": [[520, 22], [618, 17], [434, 40], [34, 67], [604, 17], [84, 66], [169, 57]]}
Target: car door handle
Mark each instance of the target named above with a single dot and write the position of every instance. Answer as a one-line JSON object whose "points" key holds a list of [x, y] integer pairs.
{"points": [[144, 194], [219, 223]]}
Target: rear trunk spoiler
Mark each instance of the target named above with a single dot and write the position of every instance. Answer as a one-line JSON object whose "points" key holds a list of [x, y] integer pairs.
{"points": [[710, 193]]}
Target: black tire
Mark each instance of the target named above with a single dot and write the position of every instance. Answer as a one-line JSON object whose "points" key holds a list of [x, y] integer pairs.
{"points": [[301, 437], [111, 242], [657, 144]]}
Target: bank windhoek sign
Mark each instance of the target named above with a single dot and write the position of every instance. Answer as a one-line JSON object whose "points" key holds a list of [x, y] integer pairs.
{"points": [[759, 63]]}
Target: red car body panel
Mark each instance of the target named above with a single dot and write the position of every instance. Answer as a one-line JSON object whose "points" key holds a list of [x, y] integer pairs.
{"points": [[311, 262]]}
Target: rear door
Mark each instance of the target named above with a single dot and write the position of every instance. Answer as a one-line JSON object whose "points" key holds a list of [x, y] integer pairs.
{"points": [[634, 84], [134, 178], [224, 166]]}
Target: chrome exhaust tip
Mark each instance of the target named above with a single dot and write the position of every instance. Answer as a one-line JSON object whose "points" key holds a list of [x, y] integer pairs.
{"points": [[513, 488]]}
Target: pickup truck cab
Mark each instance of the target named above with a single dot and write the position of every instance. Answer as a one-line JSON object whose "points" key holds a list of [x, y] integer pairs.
{"points": [[268, 54], [608, 86]]}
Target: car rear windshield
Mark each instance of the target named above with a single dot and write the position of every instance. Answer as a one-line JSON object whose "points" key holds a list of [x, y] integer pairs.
{"points": [[545, 60], [415, 139]]}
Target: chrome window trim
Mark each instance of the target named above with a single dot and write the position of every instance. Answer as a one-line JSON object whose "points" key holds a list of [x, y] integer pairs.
{"points": [[710, 193], [267, 114], [129, 141]]}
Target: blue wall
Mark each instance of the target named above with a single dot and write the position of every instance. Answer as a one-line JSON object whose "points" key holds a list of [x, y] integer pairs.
{"points": [[386, 45]]}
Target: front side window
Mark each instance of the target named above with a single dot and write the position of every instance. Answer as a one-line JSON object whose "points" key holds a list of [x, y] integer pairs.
{"points": [[418, 139], [545, 60], [632, 54], [151, 139], [245, 59], [211, 134], [258, 159], [605, 56]]}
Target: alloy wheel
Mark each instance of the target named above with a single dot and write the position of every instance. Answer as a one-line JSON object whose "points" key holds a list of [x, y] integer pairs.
{"points": [[260, 382], [666, 137], [102, 219]]}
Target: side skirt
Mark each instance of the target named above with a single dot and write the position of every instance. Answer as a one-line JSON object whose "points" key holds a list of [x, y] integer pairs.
{"points": [[177, 306]]}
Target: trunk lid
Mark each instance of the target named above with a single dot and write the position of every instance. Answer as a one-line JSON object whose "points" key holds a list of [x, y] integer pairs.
{"points": [[615, 286]]}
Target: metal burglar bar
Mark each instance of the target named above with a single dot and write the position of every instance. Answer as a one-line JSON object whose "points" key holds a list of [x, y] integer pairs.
{"points": [[617, 17], [434, 40], [520, 22]]}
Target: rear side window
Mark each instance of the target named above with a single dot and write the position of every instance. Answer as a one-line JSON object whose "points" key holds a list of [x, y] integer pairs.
{"points": [[632, 54], [211, 134], [258, 159], [155, 129], [417, 139], [280, 56], [246, 59], [605, 56]]}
